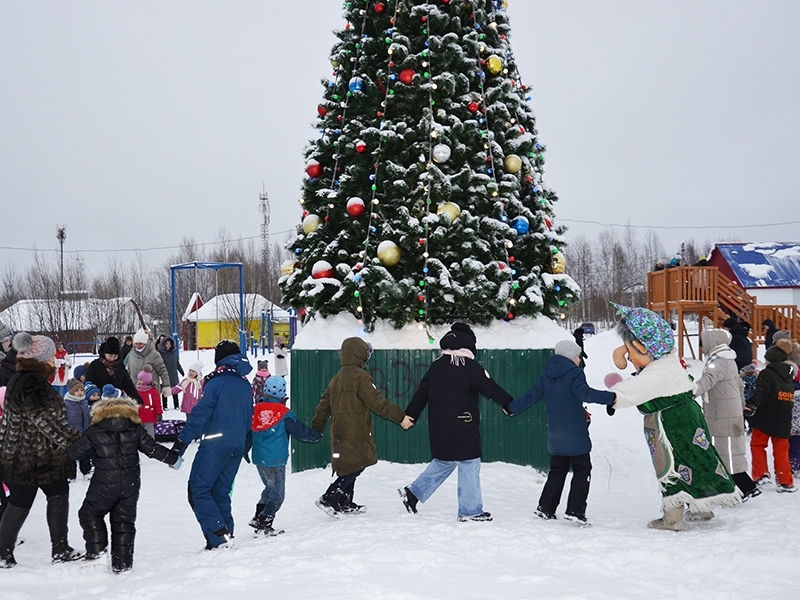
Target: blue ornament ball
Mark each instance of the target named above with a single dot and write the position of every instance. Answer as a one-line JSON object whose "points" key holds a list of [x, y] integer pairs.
{"points": [[520, 224], [356, 84]]}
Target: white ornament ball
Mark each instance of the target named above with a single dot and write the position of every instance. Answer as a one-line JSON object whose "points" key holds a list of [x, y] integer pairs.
{"points": [[311, 223], [441, 153]]}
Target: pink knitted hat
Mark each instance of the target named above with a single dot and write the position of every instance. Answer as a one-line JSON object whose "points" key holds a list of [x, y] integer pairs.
{"points": [[34, 347]]}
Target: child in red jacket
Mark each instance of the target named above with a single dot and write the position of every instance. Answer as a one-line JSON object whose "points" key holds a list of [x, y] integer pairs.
{"points": [[150, 411]]}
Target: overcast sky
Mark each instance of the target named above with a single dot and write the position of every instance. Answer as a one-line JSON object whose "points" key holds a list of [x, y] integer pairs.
{"points": [[135, 124]]}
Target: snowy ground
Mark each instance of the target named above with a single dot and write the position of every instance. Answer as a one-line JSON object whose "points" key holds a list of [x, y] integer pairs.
{"points": [[750, 551]]}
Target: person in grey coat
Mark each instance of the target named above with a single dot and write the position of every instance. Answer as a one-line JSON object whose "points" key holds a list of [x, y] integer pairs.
{"points": [[145, 353], [723, 407], [167, 351]]}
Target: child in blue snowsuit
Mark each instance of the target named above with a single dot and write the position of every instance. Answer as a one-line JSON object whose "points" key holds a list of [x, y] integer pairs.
{"points": [[564, 389], [222, 417], [273, 423]]}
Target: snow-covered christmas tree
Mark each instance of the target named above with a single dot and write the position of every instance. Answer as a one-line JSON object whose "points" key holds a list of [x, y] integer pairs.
{"points": [[423, 198]]}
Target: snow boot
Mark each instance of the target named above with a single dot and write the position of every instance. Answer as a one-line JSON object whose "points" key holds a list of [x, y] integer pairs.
{"points": [[121, 558], [57, 522], [786, 488], [671, 521], [576, 518], [331, 503], [10, 524], [543, 514], [256, 520], [694, 517], [225, 534], [349, 507], [409, 499], [746, 485], [763, 480], [484, 516], [265, 527]]}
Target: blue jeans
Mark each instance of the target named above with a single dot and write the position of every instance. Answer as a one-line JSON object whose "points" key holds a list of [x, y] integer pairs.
{"points": [[470, 503], [274, 480]]}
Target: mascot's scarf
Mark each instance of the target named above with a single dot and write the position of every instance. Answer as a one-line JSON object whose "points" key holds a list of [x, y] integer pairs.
{"points": [[458, 357]]}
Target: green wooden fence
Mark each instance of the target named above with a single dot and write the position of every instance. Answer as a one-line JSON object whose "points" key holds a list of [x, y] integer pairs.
{"points": [[397, 373]]}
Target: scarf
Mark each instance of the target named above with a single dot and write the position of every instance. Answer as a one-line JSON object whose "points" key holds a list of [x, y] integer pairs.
{"points": [[111, 366], [458, 357]]}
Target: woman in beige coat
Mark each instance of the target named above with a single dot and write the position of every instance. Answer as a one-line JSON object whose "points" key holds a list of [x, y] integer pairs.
{"points": [[723, 406]]}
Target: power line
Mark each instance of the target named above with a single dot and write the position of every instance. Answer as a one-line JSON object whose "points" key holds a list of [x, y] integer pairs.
{"points": [[705, 227], [108, 251]]}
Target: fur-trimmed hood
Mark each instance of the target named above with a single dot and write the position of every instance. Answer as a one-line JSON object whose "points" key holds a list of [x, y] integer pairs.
{"points": [[119, 409]]}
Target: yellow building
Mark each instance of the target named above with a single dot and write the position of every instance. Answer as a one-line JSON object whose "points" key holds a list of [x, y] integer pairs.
{"points": [[218, 319]]}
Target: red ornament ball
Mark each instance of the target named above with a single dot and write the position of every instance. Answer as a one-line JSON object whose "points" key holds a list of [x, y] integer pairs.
{"points": [[355, 207], [380, 8], [322, 111], [322, 269], [313, 169], [473, 107], [406, 76], [361, 147]]}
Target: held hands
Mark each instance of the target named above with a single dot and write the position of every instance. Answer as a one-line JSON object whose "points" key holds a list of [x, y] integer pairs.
{"points": [[407, 422], [177, 464], [166, 390], [749, 410]]}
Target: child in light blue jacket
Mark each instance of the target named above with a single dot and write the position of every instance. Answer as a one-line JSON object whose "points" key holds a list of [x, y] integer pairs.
{"points": [[273, 423]]}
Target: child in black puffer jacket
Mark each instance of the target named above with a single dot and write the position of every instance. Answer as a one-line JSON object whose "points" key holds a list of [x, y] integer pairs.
{"points": [[115, 438]]}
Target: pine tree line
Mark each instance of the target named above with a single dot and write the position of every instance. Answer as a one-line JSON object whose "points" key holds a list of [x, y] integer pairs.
{"points": [[613, 268]]}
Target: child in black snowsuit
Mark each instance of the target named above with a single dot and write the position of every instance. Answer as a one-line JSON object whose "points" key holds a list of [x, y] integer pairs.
{"points": [[115, 438]]}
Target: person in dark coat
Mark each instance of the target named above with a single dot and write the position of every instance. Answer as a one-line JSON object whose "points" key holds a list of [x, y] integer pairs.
{"points": [[578, 335], [34, 435], [348, 401], [222, 417], [769, 411], [450, 389], [109, 369], [8, 360], [174, 367], [740, 342], [769, 332], [127, 346], [564, 390], [115, 438]]}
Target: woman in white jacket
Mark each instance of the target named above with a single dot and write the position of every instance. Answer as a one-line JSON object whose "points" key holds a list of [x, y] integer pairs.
{"points": [[723, 407]]}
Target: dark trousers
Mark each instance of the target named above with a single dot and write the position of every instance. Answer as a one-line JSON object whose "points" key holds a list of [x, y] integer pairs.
{"points": [[345, 483], [578, 490], [120, 505], [22, 496]]}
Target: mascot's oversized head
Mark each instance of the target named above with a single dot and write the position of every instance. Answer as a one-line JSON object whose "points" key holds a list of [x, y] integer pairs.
{"points": [[645, 335]]}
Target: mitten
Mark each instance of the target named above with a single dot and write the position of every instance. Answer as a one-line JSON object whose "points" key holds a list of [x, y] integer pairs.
{"points": [[610, 410], [178, 446], [177, 464], [749, 410]]}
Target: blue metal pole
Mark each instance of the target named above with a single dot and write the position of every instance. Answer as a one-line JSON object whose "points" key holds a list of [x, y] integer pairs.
{"points": [[174, 312], [242, 338], [263, 331]]}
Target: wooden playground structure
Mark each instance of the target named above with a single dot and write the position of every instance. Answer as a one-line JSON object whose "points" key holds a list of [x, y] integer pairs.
{"points": [[706, 292]]}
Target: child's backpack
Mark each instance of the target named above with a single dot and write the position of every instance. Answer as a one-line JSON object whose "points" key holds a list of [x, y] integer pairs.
{"points": [[168, 430]]}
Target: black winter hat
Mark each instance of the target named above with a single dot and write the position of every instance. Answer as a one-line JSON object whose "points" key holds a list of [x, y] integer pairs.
{"points": [[459, 336], [730, 322], [112, 345], [225, 348], [779, 351]]}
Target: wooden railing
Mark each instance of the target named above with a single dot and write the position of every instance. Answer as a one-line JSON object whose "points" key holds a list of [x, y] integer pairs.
{"points": [[733, 299], [784, 317], [689, 285]]}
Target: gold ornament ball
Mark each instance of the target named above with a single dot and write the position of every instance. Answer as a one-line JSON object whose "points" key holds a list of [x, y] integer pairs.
{"points": [[512, 163], [450, 209], [559, 263], [311, 223], [288, 267], [494, 65], [389, 253]]}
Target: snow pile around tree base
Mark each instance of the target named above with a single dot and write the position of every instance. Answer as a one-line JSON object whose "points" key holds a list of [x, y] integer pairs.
{"points": [[520, 333]]}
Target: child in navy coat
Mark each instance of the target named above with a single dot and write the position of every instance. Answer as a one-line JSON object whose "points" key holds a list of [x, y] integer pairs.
{"points": [[564, 389], [273, 423]]}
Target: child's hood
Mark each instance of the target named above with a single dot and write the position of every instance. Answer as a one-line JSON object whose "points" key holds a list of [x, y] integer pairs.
{"points": [[115, 414], [268, 414], [558, 366]]}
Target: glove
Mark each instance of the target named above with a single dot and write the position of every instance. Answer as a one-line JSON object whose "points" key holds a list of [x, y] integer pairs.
{"points": [[177, 464], [749, 410], [610, 410], [178, 446], [159, 417]]}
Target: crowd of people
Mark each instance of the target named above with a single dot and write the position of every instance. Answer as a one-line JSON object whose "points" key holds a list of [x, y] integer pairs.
{"points": [[110, 407]]}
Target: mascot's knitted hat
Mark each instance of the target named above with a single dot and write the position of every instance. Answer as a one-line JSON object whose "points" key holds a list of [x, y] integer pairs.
{"points": [[650, 329]]}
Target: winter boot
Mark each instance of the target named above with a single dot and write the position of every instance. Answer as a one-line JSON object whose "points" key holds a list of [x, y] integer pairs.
{"points": [[121, 558], [543, 514], [409, 499], [746, 485], [57, 520], [10, 524], [256, 520], [265, 527], [484, 516], [671, 521], [225, 534], [331, 503], [698, 516], [349, 507]]}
